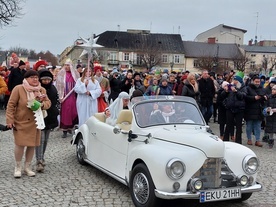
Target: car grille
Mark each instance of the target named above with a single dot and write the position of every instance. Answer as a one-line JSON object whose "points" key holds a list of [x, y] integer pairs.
{"points": [[215, 173], [210, 173]]}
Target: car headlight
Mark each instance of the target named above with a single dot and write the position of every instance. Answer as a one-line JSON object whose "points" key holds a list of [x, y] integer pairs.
{"points": [[175, 169], [250, 164]]}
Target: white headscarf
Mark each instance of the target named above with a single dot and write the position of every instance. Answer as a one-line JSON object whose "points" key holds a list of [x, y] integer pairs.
{"points": [[117, 106], [61, 78]]}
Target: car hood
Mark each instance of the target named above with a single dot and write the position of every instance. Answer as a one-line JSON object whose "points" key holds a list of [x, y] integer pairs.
{"points": [[192, 136]]}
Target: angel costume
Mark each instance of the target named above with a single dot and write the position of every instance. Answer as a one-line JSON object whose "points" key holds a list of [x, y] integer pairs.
{"points": [[87, 105]]}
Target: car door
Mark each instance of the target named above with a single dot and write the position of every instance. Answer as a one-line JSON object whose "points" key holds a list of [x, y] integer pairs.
{"points": [[108, 150]]}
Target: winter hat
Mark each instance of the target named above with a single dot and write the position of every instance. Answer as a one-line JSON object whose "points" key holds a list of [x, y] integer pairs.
{"points": [[21, 62], [45, 74], [30, 73], [164, 78], [239, 76], [115, 70], [136, 93], [97, 66], [39, 63], [166, 71]]}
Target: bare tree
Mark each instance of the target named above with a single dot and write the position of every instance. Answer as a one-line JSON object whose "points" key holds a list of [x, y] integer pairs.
{"points": [[272, 64], [150, 52], [240, 62], [9, 11]]}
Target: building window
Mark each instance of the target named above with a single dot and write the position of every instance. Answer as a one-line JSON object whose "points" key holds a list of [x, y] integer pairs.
{"points": [[196, 64], [176, 59], [113, 56], [252, 64], [139, 59], [253, 55], [126, 56], [164, 58]]}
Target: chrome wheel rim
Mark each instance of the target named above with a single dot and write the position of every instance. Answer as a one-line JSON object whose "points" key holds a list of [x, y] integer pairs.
{"points": [[80, 149], [141, 188]]}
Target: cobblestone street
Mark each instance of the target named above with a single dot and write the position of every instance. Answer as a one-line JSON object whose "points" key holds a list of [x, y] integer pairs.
{"points": [[67, 183]]}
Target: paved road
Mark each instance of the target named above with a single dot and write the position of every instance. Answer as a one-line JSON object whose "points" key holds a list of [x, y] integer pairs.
{"points": [[66, 183]]}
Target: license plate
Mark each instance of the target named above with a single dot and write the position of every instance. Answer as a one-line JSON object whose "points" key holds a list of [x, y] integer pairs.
{"points": [[220, 194]]}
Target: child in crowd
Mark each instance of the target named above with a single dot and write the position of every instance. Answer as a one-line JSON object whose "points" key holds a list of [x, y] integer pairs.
{"points": [[270, 113]]}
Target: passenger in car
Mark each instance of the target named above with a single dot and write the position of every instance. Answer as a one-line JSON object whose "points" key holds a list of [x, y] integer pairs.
{"points": [[166, 114], [122, 102]]}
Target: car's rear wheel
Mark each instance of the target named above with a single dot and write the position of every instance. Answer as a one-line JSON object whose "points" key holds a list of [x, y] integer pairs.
{"points": [[80, 150], [142, 187]]}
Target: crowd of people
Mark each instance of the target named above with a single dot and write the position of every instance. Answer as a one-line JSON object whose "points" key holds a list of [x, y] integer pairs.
{"points": [[39, 99]]}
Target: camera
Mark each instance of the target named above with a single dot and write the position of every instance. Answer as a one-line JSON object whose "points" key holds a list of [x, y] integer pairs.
{"points": [[230, 87]]}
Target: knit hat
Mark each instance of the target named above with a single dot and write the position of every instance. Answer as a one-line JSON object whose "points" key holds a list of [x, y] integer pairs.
{"points": [[39, 63], [239, 76], [45, 74], [21, 62], [136, 93], [97, 66], [30, 73], [165, 71], [115, 70]]}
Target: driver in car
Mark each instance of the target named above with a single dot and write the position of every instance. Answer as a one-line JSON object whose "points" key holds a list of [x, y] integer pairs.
{"points": [[166, 114]]}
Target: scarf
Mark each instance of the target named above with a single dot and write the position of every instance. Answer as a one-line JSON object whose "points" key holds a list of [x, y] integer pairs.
{"points": [[32, 93], [168, 114]]}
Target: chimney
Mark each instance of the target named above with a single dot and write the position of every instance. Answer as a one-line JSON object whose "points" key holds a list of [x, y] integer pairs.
{"points": [[250, 42], [261, 43], [211, 40]]}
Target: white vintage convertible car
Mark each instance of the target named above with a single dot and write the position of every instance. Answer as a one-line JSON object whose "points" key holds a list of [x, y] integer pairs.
{"points": [[167, 158]]}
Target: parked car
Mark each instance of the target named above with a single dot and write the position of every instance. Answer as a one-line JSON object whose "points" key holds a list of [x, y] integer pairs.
{"points": [[162, 149]]}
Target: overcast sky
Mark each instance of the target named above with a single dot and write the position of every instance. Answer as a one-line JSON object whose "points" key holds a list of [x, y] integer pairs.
{"points": [[55, 24]]}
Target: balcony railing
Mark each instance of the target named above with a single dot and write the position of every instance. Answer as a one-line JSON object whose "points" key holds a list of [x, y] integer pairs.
{"points": [[113, 62]]}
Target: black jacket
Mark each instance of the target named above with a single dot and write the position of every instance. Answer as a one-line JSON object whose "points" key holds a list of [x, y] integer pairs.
{"points": [[270, 126], [207, 91], [50, 120], [15, 78], [234, 101], [188, 90], [253, 107]]}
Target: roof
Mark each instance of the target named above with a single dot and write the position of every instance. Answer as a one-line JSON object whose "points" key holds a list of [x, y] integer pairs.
{"points": [[171, 43], [229, 27], [259, 49], [203, 49]]}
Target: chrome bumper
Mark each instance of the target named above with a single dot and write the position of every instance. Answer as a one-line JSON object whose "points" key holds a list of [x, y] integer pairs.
{"points": [[189, 195]]}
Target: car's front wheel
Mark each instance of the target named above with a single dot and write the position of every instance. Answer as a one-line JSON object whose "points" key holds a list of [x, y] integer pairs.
{"points": [[80, 150], [142, 187]]}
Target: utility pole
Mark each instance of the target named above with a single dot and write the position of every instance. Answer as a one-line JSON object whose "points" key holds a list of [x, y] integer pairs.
{"points": [[256, 31]]}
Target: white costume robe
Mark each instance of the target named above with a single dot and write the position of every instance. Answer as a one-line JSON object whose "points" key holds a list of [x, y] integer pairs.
{"points": [[87, 105]]}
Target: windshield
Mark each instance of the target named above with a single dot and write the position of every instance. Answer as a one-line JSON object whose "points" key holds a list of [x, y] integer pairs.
{"points": [[168, 111]]}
